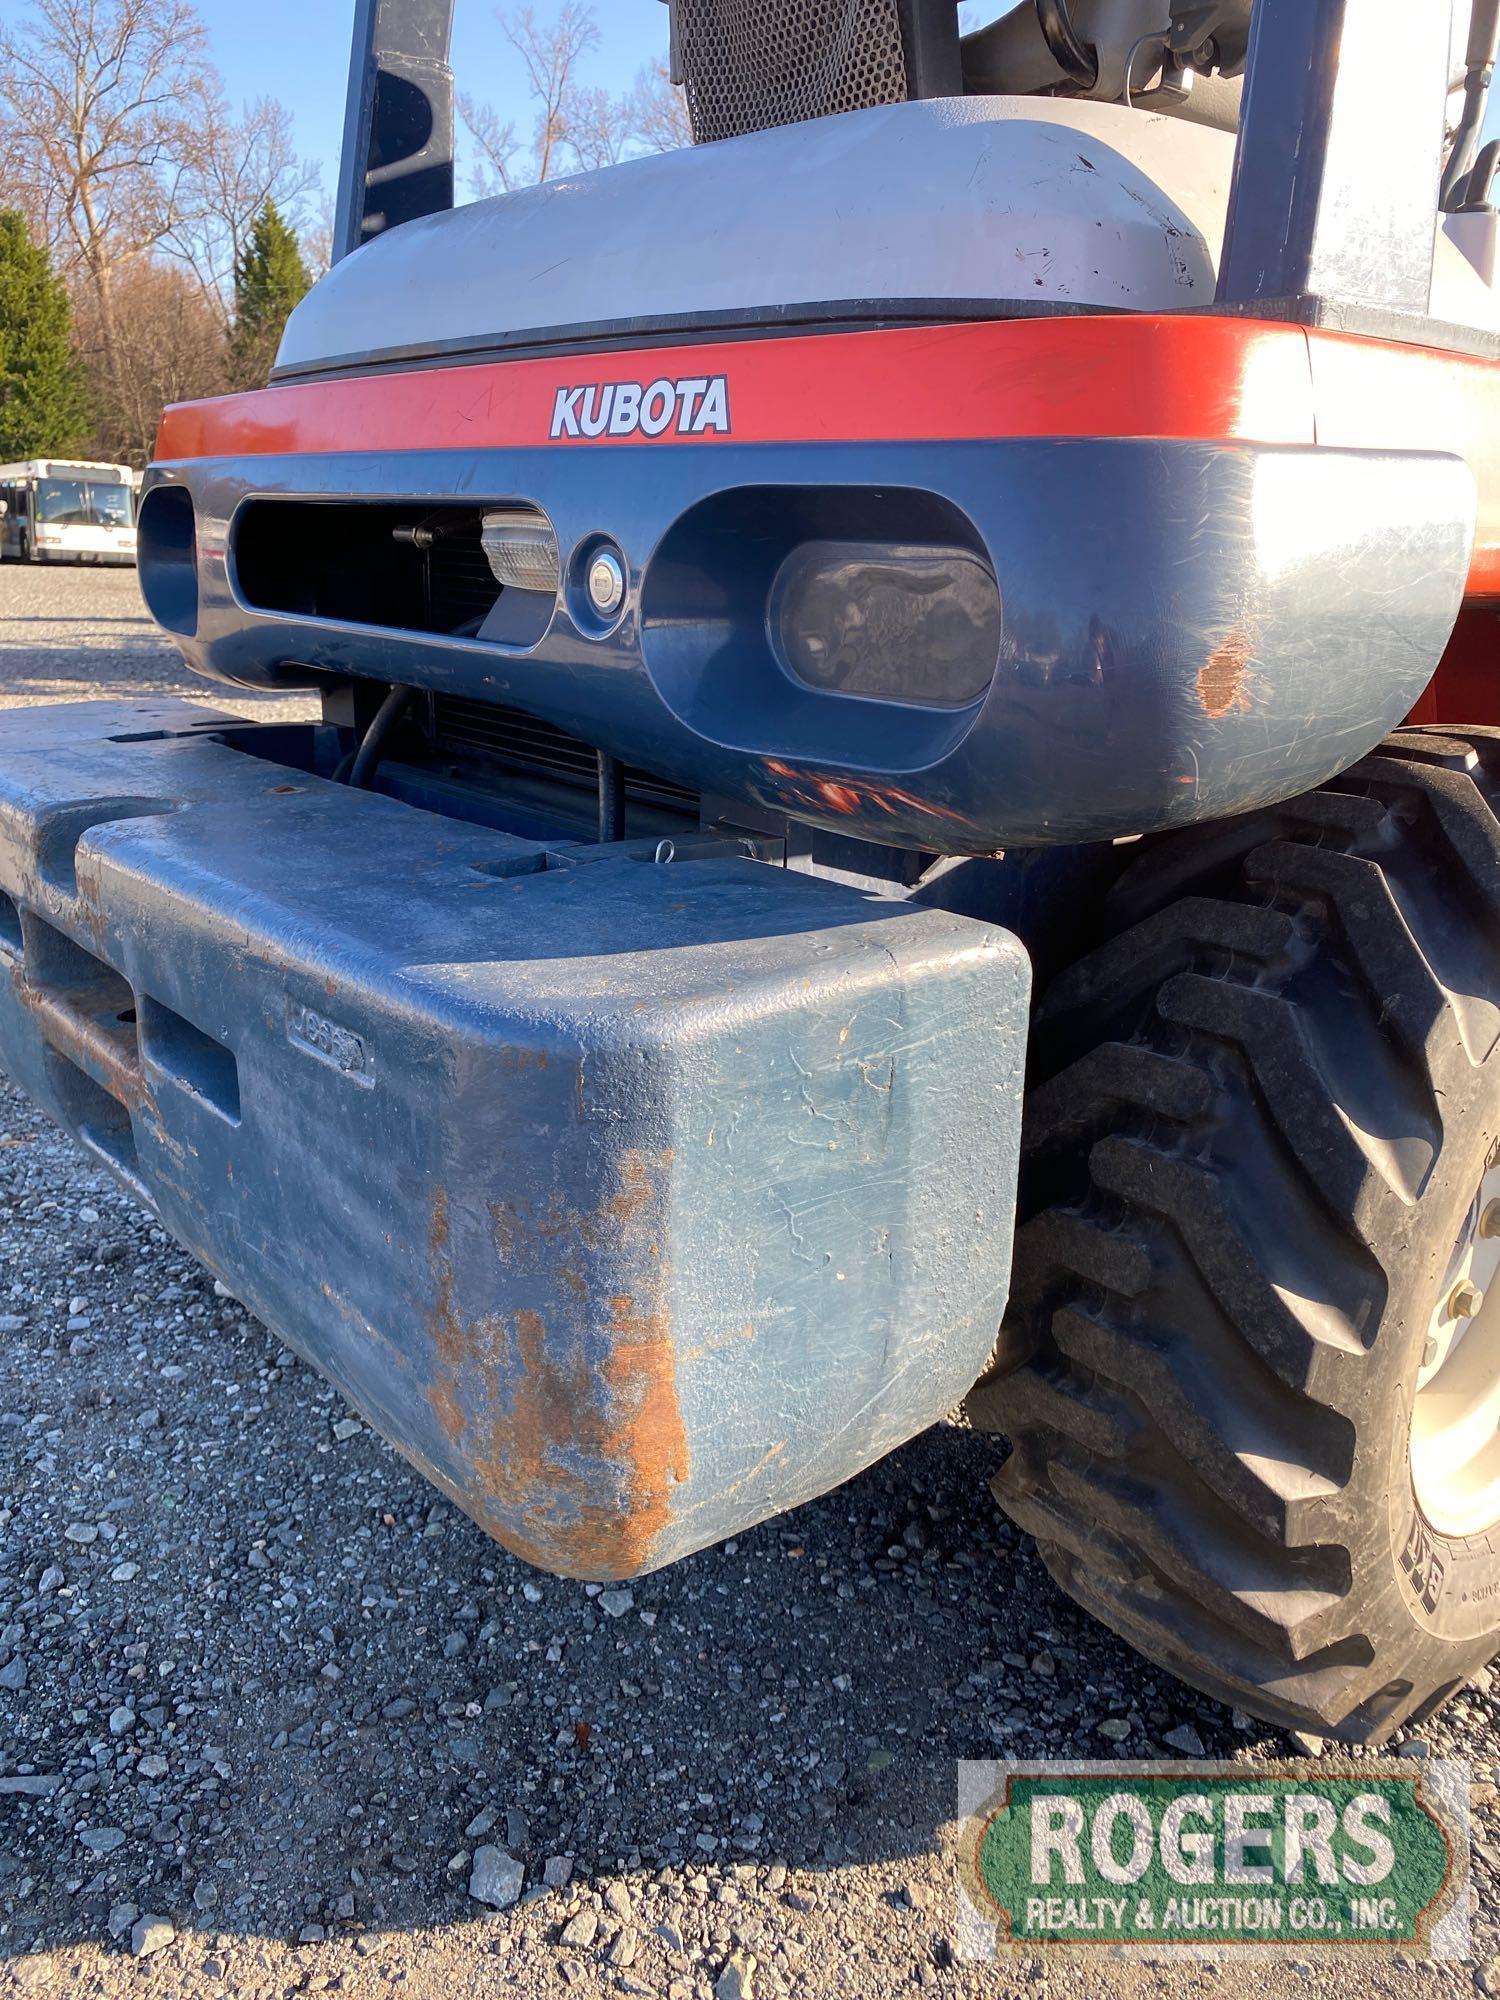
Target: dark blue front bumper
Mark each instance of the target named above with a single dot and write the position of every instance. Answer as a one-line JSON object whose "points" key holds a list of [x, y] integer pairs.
{"points": [[1189, 630]]}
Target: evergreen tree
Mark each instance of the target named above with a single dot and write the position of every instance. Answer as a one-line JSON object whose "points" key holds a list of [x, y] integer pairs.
{"points": [[269, 279], [43, 410]]}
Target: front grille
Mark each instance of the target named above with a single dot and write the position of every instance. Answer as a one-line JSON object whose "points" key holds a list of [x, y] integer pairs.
{"points": [[462, 587], [463, 728], [750, 64], [399, 563]]}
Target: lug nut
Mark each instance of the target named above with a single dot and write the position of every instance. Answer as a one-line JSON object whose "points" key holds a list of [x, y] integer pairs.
{"points": [[1430, 1351], [1465, 1301], [1489, 1222]]}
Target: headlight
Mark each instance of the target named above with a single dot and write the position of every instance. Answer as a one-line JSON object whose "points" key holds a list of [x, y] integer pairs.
{"points": [[521, 548], [887, 622]]}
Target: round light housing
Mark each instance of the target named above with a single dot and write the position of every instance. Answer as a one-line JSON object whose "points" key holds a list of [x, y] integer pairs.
{"points": [[606, 582]]}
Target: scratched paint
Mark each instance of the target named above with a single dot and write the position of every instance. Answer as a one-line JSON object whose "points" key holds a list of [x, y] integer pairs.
{"points": [[1222, 683], [851, 797]]}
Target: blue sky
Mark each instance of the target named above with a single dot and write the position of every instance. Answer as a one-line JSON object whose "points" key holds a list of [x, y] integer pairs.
{"points": [[298, 50]]}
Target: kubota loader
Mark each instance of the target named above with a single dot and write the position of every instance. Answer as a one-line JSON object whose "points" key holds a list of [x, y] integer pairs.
{"points": [[907, 689]]}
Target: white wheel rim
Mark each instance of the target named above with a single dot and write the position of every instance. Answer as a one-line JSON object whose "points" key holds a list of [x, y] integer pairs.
{"points": [[1455, 1426]]}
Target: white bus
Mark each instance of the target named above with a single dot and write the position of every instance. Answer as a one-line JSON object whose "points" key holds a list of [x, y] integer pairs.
{"points": [[55, 510]]}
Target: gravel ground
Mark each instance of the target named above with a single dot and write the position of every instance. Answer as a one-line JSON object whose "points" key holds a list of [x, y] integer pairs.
{"points": [[74, 634], [262, 1686]]}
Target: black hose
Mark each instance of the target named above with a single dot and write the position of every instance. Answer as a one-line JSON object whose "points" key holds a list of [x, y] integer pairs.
{"points": [[1461, 159], [372, 749], [1073, 56], [1478, 187], [611, 798]]}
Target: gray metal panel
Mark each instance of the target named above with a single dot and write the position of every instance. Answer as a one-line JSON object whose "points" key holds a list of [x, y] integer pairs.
{"points": [[397, 158], [1336, 176], [961, 198]]}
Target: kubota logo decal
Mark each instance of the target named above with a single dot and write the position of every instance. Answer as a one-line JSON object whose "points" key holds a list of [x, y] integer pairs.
{"points": [[695, 407]]}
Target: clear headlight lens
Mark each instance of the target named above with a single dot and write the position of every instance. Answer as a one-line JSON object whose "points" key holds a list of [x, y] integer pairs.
{"points": [[887, 622], [521, 549]]}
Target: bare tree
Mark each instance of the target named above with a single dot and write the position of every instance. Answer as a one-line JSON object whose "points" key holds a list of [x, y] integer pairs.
{"points": [[550, 55], [659, 111], [317, 234], [174, 351], [656, 112], [651, 117], [577, 126], [93, 94], [230, 170], [598, 135], [500, 165]]}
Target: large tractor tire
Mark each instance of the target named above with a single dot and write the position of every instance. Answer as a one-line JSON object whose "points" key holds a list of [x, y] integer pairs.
{"points": [[1251, 1374]]}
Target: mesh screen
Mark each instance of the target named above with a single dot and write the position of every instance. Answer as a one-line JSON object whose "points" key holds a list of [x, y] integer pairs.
{"points": [[748, 64]]}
